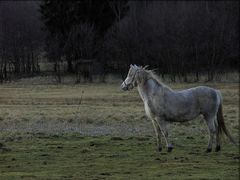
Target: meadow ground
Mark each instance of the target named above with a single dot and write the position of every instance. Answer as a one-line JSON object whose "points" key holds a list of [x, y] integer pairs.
{"points": [[96, 131]]}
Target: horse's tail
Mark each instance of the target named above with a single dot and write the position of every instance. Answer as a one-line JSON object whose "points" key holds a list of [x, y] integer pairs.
{"points": [[221, 124]]}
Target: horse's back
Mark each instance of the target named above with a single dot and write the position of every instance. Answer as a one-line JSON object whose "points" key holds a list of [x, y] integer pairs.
{"points": [[202, 99], [206, 93], [208, 99]]}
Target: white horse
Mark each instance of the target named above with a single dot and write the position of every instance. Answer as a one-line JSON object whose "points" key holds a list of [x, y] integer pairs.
{"points": [[162, 104]]}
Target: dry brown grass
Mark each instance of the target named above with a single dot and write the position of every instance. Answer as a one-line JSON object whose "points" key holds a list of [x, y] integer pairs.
{"points": [[104, 108]]}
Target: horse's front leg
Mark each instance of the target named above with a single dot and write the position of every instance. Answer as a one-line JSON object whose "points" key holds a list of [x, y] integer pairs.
{"points": [[163, 126], [158, 135]]}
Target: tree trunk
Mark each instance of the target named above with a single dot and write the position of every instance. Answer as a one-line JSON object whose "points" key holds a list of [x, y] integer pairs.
{"points": [[69, 66]]}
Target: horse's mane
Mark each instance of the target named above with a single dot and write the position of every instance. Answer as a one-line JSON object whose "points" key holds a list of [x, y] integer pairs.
{"points": [[151, 74]]}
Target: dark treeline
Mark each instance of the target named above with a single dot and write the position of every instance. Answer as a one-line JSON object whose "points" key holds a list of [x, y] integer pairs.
{"points": [[179, 38], [20, 38], [76, 29]]}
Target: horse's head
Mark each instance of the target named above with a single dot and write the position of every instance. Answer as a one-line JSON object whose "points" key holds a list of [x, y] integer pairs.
{"points": [[131, 79]]}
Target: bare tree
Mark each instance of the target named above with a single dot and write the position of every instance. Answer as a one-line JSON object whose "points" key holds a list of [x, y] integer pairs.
{"points": [[180, 38], [20, 31]]}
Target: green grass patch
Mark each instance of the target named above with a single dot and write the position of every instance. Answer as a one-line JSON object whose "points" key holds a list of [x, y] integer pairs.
{"points": [[72, 156]]}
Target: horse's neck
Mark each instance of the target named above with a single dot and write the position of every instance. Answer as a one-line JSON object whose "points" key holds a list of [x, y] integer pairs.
{"points": [[148, 88]]}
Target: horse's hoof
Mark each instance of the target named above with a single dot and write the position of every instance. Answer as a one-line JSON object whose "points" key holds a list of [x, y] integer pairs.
{"points": [[218, 148], [170, 149], [208, 150], [159, 149]]}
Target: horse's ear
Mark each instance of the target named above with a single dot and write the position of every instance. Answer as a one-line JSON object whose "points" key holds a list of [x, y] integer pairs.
{"points": [[145, 67], [131, 65]]}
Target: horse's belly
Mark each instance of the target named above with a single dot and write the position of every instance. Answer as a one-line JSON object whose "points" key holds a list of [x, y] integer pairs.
{"points": [[182, 114], [180, 118]]}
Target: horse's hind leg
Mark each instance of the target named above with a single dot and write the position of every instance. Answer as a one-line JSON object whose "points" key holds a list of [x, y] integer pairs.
{"points": [[212, 132], [158, 135], [218, 139]]}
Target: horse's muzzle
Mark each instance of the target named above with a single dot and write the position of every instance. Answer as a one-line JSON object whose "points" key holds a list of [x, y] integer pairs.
{"points": [[124, 86]]}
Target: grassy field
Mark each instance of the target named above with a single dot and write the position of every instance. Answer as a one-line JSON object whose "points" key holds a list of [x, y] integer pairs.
{"points": [[96, 131]]}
